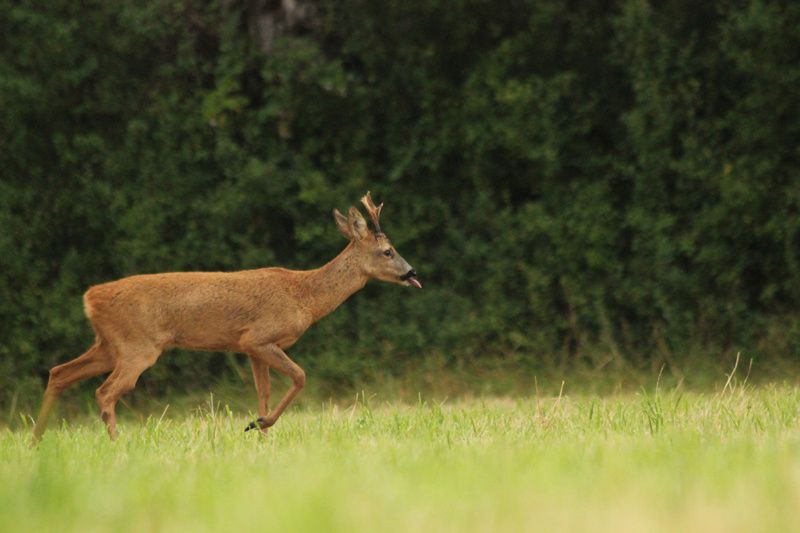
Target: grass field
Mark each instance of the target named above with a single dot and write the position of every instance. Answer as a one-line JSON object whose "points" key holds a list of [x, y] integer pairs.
{"points": [[661, 461]]}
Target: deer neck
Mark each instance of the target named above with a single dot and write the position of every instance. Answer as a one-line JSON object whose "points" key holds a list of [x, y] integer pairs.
{"points": [[330, 285]]}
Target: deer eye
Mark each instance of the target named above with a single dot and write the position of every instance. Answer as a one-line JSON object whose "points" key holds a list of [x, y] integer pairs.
{"points": [[388, 252]]}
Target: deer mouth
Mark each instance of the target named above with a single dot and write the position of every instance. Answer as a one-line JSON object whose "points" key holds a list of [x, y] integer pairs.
{"points": [[410, 277]]}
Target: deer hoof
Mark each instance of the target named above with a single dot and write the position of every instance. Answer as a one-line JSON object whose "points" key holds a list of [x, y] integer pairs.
{"points": [[251, 425]]}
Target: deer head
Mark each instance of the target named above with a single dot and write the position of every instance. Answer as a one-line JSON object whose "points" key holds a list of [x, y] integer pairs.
{"points": [[376, 255]]}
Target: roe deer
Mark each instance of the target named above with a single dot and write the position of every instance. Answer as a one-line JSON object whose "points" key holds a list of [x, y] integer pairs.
{"points": [[258, 312]]}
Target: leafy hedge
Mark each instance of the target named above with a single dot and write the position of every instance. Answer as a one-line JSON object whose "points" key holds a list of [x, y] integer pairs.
{"points": [[571, 181]]}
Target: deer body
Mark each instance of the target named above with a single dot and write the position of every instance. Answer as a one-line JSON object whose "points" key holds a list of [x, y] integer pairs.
{"points": [[275, 304], [259, 312]]}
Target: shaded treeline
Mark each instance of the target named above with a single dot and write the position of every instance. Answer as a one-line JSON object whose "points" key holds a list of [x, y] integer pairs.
{"points": [[572, 181]]}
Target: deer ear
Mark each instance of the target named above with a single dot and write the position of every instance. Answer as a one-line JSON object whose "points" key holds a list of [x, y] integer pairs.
{"points": [[342, 224], [358, 226]]}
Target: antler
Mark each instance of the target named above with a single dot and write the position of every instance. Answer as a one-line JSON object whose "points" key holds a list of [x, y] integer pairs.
{"points": [[373, 211]]}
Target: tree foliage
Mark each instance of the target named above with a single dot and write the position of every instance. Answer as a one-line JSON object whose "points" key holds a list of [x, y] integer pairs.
{"points": [[570, 180]]}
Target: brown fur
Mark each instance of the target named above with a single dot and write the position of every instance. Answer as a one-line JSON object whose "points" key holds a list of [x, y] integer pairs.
{"points": [[259, 312]]}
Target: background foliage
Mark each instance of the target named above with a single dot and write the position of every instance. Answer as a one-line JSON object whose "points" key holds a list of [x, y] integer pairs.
{"points": [[573, 182]]}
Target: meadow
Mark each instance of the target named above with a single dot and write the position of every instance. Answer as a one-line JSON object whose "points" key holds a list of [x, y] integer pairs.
{"points": [[659, 460]]}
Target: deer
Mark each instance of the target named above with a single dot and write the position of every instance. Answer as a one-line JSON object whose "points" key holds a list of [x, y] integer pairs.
{"points": [[260, 313]]}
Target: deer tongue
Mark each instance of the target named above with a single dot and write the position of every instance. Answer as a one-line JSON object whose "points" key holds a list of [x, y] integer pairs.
{"points": [[415, 282]]}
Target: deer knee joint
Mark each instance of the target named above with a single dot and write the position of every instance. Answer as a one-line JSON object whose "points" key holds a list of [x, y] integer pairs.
{"points": [[299, 378], [54, 383], [100, 396]]}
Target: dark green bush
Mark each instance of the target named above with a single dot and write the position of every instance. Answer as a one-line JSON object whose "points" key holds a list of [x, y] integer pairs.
{"points": [[571, 180]]}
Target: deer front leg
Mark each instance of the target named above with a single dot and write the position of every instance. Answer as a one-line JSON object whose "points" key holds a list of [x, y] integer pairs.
{"points": [[261, 378], [277, 359]]}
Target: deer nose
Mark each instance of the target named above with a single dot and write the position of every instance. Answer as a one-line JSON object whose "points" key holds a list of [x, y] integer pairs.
{"points": [[408, 275]]}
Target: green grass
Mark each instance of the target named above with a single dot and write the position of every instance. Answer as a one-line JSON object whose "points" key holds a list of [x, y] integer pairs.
{"points": [[661, 461]]}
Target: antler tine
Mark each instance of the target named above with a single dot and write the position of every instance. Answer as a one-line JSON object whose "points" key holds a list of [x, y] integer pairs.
{"points": [[373, 211]]}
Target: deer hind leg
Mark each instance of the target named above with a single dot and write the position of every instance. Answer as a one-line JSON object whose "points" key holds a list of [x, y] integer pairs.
{"points": [[122, 380], [275, 358], [261, 378], [94, 362]]}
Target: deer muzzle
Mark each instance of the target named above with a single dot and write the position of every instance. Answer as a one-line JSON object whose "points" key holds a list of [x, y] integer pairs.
{"points": [[410, 277]]}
